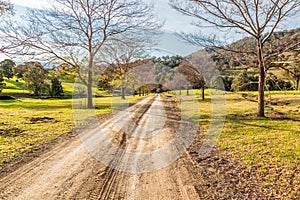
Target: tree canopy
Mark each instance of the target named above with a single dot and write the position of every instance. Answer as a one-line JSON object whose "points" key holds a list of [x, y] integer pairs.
{"points": [[35, 80], [7, 66]]}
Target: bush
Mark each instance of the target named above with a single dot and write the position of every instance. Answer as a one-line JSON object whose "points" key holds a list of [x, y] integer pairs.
{"points": [[7, 67], [56, 89], [35, 80], [227, 80], [240, 82], [273, 83], [245, 82]]}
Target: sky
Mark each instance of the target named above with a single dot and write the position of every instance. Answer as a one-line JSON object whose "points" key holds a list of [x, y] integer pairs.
{"points": [[168, 43], [174, 22]]}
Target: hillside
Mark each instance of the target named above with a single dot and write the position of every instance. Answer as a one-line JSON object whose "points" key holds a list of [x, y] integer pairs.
{"points": [[282, 59], [282, 46]]}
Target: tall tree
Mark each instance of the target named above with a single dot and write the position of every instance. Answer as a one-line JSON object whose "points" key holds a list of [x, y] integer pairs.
{"points": [[7, 66], [257, 18], [56, 89], [125, 52], [74, 32]]}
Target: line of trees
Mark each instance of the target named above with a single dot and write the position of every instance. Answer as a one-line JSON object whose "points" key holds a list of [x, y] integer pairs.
{"points": [[37, 79], [76, 31]]}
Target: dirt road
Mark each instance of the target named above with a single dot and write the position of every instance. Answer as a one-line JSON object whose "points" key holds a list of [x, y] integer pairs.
{"points": [[138, 154]]}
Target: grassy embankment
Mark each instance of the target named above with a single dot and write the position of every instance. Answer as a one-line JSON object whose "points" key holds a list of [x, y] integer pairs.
{"points": [[28, 122], [269, 146]]}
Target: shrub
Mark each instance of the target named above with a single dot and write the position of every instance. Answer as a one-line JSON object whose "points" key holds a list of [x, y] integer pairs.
{"points": [[35, 80], [56, 89]]}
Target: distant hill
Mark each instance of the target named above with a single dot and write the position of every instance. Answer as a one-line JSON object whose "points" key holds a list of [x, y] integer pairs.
{"points": [[283, 46]]}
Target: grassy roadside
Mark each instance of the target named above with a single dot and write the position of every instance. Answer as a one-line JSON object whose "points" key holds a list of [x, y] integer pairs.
{"points": [[27, 123], [268, 147]]}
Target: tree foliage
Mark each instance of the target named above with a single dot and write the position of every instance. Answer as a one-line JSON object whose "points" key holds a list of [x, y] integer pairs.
{"points": [[170, 61], [241, 82], [245, 81], [35, 80], [293, 72], [104, 83], [122, 76], [123, 54], [7, 66], [56, 89], [2, 84], [21, 69]]}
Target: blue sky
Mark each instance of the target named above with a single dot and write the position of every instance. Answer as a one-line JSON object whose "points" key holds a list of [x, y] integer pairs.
{"points": [[168, 43], [174, 22]]}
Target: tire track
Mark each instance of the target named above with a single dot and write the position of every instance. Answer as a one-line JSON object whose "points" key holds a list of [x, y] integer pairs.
{"points": [[70, 172], [111, 172]]}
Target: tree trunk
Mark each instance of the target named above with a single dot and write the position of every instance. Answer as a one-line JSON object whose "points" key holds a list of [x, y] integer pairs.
{"points": [[90, 96], [123, 92], [133, 88], [203, 94], [262, 78], [36, 92], [297, 84], [90, 83], [187, 91]]}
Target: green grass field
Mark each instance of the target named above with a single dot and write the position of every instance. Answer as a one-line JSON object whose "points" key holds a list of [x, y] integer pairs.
{"points": [[268, 146], [28, 122]]}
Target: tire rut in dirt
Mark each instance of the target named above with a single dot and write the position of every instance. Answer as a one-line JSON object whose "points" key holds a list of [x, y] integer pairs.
{"points": [[115, 181]]}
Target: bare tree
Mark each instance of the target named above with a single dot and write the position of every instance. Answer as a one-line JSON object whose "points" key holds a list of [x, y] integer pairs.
{"points": [[75, 31], [123, 52], [257, 18]]}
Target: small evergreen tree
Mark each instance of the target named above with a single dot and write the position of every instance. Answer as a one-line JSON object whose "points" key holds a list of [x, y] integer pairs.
{"points": [[227, 80], [7, 66], [56, 89]]}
